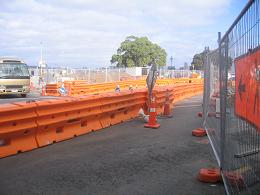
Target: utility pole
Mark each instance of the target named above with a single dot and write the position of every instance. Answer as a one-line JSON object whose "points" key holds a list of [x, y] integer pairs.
{"points": [[41, 62]]}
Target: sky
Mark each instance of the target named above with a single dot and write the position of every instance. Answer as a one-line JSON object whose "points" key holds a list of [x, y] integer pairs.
{"points": [[86, 33]]}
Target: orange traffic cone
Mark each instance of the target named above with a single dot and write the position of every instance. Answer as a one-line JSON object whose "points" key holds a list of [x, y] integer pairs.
{"points": [[152, 122], [167, 106]]}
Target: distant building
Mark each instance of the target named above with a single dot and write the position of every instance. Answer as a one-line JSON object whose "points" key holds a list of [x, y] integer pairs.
{"points": [[137, 71]]}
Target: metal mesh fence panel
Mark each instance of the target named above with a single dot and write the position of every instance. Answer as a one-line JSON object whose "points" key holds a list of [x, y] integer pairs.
{"points": [[101, 75], [235, 136], [211, 108], [174, 74], [241, 157]]}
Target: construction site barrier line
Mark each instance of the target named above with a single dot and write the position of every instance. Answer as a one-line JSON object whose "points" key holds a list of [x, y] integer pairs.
{"points": [[28, 125]]}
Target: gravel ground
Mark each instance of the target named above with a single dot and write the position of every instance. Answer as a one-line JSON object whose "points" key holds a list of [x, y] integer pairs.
{"points": [[122, 159]]}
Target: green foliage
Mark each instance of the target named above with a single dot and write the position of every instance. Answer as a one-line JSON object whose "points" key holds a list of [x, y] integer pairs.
{"points": [[135, 51], [197, 61]]}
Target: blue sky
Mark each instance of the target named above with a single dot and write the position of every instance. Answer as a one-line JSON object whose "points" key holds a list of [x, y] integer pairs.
{"points": [[87, 32]]}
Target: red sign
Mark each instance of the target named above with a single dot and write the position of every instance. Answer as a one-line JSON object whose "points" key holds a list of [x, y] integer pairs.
{"points": [[247, 101]]}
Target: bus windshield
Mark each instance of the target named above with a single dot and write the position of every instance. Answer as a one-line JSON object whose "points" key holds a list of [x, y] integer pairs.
{"points": [[14, 70]]}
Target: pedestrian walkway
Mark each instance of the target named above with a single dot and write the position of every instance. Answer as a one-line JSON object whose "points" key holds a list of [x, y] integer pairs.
{"points": [[123, 159]]}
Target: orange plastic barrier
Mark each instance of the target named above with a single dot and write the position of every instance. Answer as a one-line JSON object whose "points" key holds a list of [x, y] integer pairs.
{"points": [[17, 128], [160, 94], [187, 90], [119, 107], [61, 119], [90, 111], [52, 90], [53, 118]]}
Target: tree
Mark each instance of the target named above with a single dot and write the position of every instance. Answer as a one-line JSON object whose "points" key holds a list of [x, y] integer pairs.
{"points": [[197, 61], [135, 51]]}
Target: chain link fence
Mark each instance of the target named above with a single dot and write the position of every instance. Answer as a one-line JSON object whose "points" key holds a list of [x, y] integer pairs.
{"points": [[101, 75], [234, 71]]}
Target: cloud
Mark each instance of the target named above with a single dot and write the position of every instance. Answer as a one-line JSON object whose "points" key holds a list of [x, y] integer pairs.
{"points": [[88, 32]]}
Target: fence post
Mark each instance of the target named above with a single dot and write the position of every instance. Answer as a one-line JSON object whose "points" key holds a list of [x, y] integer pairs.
{"points": [[206, 81], [88, 75], [106, 75], [223, 54]]}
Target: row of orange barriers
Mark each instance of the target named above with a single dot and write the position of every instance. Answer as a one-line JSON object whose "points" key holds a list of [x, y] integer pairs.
{"points": [[28, 125], [175, 94], [81, 87]]}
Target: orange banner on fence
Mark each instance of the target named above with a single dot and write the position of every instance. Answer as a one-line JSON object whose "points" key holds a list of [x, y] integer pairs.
{"points": [[247, 97]]}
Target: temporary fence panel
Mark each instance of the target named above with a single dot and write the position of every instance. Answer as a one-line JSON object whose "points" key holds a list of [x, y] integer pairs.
{"points": [[211, 103], [235, 136], [50, 75]]}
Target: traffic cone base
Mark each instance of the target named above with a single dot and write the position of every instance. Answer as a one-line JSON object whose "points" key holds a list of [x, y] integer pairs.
{"points": [[155, 126]]}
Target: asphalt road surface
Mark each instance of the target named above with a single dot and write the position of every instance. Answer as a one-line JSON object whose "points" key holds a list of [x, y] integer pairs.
{"points": [[17, 98], [122, 159]]}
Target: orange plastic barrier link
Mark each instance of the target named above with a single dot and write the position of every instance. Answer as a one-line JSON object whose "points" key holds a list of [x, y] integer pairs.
{"points": [[65, 118], [17, 128], [119, 107], [90, 111], [187, 90], [113, 109], [159, 94], [53, 118]]}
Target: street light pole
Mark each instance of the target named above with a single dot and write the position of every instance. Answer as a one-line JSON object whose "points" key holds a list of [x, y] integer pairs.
{"points": [[171, 61]]}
